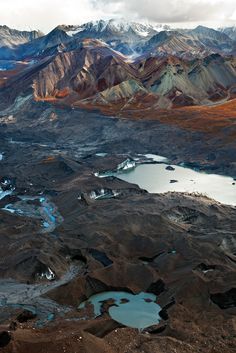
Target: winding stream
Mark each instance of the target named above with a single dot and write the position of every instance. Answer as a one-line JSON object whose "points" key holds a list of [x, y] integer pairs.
{"points": [[43, 209]]}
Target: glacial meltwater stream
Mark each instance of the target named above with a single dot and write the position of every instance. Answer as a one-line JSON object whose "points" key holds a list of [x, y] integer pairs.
{"points": [[44, 210]]}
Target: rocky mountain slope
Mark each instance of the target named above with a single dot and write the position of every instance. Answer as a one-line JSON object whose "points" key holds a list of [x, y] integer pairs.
{"points": [[68, 233], [129, 38], [91, 73], [86, 65], [230, 31], [11, 37]]}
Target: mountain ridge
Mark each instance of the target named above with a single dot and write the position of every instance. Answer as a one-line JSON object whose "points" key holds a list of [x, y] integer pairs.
{"points": [[129, 38], [86, 63]]}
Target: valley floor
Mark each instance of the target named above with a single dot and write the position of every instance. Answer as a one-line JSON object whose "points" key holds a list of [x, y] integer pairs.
{"points": [[179, 247]]}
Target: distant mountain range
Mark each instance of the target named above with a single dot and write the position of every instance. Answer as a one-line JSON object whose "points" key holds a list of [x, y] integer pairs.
{"points": [[12, 37], [230, 31], [115, 63], [128, 38]]}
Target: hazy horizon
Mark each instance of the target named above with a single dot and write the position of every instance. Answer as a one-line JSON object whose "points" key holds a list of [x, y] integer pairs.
{"points": [[45, 15]]}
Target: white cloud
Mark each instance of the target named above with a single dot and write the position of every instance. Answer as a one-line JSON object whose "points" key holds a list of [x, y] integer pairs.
{"points": [[46, 14], [233, 17], [175, 11]]}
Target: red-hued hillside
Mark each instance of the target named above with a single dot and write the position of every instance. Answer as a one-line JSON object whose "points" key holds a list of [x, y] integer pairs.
{"points": [[89, 73]]}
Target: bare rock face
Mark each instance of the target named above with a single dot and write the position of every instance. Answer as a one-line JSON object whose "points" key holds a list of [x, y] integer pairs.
{"points": [[86, 71], [105, 78], [89, 73], [12, 37]]}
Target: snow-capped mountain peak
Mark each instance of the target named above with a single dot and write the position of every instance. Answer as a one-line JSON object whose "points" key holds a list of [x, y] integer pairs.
{"points": [[119, 26]]}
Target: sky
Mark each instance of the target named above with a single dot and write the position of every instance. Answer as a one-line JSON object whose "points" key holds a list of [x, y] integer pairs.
{"points": [[47, 14]]}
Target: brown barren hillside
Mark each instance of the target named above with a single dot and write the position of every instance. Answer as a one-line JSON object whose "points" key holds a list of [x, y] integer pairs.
{"points": [[197, 118]]}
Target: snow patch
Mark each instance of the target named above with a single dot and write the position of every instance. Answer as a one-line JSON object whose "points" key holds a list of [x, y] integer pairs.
{"points": [[121, 26], [126, 165], [49, 275], [74, 31], [5, 193], [103, 194]]}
